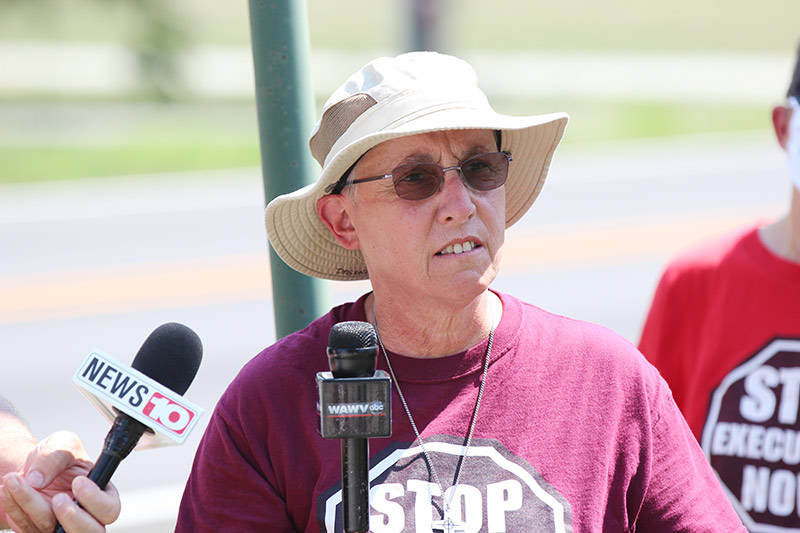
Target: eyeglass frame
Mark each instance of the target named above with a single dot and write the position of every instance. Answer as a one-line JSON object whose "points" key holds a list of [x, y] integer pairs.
{"points": [[338, 187]]}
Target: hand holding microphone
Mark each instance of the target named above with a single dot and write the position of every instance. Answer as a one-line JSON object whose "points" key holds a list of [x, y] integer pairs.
{"points": [[56, 464], [170, 356]]}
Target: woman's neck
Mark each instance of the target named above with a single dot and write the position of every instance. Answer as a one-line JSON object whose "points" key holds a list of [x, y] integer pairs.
{"points": [[782, 237], [426, 331]]}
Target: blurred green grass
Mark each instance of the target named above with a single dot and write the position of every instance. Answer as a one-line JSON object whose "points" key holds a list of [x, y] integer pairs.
{"points": [[195, 135], [137, 156], [161, 141]]}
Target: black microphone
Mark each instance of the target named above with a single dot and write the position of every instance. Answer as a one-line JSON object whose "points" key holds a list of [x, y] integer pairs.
{"points": [[171, 355], [355, 404]]}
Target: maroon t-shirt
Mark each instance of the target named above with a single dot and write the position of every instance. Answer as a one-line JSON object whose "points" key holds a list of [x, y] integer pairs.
{"points": [[576, 432]]}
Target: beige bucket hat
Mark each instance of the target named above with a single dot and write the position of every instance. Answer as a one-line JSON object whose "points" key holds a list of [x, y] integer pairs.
{"points": [[413, 93]]}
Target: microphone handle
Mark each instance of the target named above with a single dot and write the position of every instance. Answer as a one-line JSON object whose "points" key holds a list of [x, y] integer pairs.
{"points": [[355, 485], [120, 441]]}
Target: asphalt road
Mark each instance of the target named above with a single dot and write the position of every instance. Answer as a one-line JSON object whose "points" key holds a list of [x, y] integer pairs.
{"points": [[101, 263]]}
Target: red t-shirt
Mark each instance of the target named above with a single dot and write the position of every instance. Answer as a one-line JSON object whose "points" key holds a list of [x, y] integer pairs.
{"points": [[724, 331]]}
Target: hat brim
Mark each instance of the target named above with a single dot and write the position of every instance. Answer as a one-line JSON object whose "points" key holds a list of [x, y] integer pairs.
{"points": [[300, 238]]}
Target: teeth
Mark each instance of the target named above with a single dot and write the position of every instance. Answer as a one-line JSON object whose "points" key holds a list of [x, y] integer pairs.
{"points": [[459, 248]]}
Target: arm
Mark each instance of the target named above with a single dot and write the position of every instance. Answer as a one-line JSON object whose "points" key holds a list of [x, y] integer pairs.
{"points": [[39, 482], [665, 316], [16, 441], [683, 493], [671, 331], [15, 444], [227, 489]]}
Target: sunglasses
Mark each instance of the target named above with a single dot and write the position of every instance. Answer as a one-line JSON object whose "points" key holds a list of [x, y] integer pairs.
{"points": [[418, 181]]}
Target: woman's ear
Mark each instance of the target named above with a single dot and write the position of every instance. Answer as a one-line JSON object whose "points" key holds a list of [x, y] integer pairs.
{"points": [[332, 210]]}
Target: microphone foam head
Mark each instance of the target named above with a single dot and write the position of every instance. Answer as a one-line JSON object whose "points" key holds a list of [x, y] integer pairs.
{"points": [[352, 349], [171, 355], [352, 335]]}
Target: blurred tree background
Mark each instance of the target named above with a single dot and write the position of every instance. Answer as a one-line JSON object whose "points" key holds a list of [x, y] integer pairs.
{"points": [[94, 88], [155, 33]]}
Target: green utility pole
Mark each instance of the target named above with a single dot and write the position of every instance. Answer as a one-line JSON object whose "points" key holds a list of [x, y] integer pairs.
{"points": [[285, 104]]}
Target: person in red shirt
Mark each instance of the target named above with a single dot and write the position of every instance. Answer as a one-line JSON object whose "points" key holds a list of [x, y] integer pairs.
{"points": [[724, 331]]}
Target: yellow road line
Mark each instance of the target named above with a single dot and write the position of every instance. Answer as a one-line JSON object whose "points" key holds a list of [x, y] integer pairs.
{"points": [[246, 277], [619, 241], [151, 286]]}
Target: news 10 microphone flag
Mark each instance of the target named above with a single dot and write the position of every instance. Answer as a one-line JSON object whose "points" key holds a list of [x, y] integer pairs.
{"points": [[109, 384]]}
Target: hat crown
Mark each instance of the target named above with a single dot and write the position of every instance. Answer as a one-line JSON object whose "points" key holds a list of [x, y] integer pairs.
{"points": [[381, 80]]}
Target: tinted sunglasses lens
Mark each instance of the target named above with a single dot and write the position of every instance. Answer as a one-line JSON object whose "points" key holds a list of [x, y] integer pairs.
{"points": [[486, 172], [417, 181]]}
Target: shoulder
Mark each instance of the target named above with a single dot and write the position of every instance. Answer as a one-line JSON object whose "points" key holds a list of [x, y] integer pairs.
{"points": [[690, 299], [289, 366], [576, 344], [579, 359], [568, 331], [707, 257]]}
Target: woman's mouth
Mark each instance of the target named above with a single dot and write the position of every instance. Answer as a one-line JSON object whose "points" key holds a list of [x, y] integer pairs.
{"points": [[458, 248]]}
